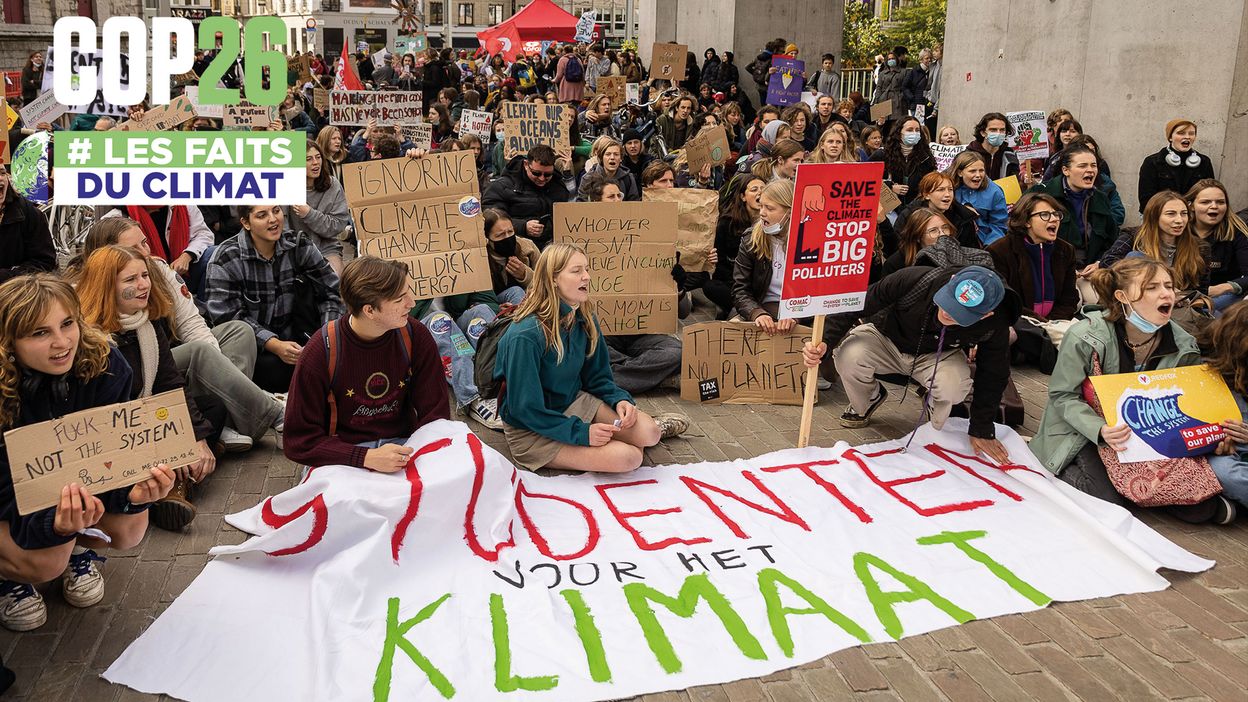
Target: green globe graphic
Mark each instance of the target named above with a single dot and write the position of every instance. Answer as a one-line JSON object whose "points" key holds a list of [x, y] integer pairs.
{"points": [[30, 167]]}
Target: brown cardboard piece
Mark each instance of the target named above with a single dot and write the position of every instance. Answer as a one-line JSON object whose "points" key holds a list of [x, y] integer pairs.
{"points": [[631, 248], [421, 135], [667, 61], [425, 212], [612, 87], [102, 449], [527, 124], [709, 146], [883, 109], [246, 116], [320, 100], [738, 363], [389, 107], [888, 199], [161, 118], [697, 214]]}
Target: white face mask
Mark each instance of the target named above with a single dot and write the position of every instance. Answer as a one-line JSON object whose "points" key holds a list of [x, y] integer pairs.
{"points": [[773, 228]]}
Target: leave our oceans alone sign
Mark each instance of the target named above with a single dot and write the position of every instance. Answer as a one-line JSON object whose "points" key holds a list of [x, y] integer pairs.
{"points": [[461, 578]]}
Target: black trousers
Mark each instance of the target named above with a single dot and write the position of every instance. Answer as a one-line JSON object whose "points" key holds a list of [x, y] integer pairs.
{"points": [[272, 373]]}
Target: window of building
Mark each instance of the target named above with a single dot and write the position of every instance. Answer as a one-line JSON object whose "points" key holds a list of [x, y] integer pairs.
{"points": [[14, 12], [496, 14], [464, 16], [435, 13]]}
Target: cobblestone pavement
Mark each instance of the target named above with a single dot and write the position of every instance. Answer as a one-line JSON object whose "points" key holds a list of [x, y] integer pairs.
{"points": [[1187, 642]]}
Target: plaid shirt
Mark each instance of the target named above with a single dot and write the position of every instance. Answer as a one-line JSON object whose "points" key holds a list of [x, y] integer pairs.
{"points": [[242, 285]]}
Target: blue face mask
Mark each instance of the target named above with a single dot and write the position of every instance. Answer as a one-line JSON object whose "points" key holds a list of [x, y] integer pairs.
{"points": [[995, 139], [892, 63], [911, 138], [1139, 322]]}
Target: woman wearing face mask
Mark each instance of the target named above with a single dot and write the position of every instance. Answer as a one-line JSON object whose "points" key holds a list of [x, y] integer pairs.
{"points": [[122, 294], [1130, 332], [936, 193], [907, 158], [738, 210], [512, 258], [1176, 167], [1090, 224], [324, 214], [990, 136], [607, 158], [888, 86], [1227, 236], [982, 196]]}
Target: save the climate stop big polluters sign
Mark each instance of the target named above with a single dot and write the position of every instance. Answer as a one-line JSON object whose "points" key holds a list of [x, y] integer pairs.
{"points": [[831, 238]]}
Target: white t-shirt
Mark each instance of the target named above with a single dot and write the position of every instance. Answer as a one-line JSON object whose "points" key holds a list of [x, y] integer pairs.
{"points": [[778, 250]]}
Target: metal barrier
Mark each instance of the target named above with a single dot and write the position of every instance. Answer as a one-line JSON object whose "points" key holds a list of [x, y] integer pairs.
{"points": [[860, 79]]}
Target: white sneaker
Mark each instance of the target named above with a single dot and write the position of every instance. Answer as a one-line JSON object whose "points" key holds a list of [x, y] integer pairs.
{"points": [[486, 412], [21, 606], [235, 442], [83, 583], [671, 424], [823, 384]]}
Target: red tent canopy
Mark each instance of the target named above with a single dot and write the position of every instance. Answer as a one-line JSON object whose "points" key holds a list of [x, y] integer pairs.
{"points": [[540, 20]]}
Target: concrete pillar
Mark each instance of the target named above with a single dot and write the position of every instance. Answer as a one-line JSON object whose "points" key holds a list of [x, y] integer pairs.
{"points": [[1123, 75]]}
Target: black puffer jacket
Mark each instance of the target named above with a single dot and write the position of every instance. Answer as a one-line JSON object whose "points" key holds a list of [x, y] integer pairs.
{"points": [[517, 195], [1157, 175], [168, 377]]}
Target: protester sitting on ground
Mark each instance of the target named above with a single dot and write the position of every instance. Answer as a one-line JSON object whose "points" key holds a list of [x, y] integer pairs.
{"points": [[659, 174], [1176, 167], [176, 234], [122, 293], [673, 125], [782, 162], [948, 136], [800, 129], [979, 194], [443, 125], [1065, 132], [635, 156], [512, 258], [825, 114], [333, 150], [595, 121], [1215, 222], [560, 404], [52, 363], [1229, 339], [907, 158], [606, 157], [936, 193], [939, 313], [991, 133], [277, 282], [217, 361], [766, 115], [1132, 331], [1090, 225], [738, 210], [1053, 119], [25, 240], [375, 142], [325, 214], [833, 147], [1104, 182], [365, 382], [527, 190], [922, 228], [870, 140]]}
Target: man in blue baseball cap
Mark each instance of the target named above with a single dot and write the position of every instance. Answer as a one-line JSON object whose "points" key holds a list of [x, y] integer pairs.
{"points": [[921, 321]]}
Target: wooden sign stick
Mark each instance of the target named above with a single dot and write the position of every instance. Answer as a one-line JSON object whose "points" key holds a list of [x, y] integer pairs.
{"points": [[812, 387]]}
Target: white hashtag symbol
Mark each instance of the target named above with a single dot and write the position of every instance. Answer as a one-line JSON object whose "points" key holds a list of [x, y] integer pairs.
{"points": [[79, 150]]}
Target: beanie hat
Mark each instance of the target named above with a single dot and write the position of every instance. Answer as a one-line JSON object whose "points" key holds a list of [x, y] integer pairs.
{"points": [[1174, 124], [630, 135], [790, 48]]}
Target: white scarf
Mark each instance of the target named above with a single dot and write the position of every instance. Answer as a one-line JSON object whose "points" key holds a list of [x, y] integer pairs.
{"points": [[149, 348]]}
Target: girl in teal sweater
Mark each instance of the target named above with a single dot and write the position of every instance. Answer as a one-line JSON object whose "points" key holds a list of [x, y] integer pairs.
{"points": [[561, 407]]}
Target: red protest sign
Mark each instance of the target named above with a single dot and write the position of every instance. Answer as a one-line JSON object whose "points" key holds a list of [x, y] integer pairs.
{"points": [[831, 238]]}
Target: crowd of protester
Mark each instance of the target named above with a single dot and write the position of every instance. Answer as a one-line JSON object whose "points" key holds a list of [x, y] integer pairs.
{"points": [[251, 309]]}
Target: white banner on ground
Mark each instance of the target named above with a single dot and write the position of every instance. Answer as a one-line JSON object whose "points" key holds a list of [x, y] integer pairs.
{"points": [[464, 579]]}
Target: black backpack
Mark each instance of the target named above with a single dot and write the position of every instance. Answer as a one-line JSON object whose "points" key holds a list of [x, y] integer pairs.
{"points": [[574, 71], [483, 361]]}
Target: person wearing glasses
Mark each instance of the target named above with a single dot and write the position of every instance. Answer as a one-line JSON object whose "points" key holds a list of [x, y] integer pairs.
{"points": [[528, 190]]}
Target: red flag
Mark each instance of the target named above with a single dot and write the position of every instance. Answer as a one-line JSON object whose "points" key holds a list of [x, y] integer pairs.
{"points": [[503, 39], [345, 78]]}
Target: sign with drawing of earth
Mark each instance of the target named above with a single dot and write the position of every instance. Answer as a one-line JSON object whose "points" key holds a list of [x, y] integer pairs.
{"points": [[30, 167]]}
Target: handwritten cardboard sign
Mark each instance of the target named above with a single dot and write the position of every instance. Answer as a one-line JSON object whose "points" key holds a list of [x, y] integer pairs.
{"points": [[188, 78], [102, 448], [881, 110], [320, 100], [631, 248], [389, 107], [697, 213], [889, 200], [613, 88], [478, 123], [245, 116], [944, 154], [421, 135], [44, 108], [426, 212], [667, 61], [709, 147], [738, 363], [163, 117], [529, 124]]}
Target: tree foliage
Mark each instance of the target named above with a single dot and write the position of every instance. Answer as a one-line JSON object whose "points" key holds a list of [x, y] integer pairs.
{"points": [[919, 24], [863, 37]]}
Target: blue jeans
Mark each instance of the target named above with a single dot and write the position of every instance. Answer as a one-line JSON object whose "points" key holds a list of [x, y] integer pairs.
{"points": [[375, 443], [457, 344], [1232, 472], [513, 295], [1221, 302]]}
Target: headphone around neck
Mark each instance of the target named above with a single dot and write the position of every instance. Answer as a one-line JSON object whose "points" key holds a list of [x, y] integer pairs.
{"points": [[1172, 158]]}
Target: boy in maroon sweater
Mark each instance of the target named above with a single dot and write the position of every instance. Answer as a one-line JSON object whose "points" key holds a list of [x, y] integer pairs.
{"points": [[383, 382]]}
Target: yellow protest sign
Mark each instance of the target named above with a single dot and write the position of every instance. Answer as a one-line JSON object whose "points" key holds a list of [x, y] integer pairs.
{"points": [[1012, 189]]}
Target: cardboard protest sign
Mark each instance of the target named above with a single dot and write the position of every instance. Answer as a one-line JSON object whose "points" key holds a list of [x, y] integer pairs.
{"points": [[631, 248], [388, 107], [1172, 413], [245, 116], [215, 111], [102, 448], [945, 154], [633, 93], [1011, 187], [613, 88], [697, 213], [185, 79], [784, 87], [738, 363], [320, 100], [831, 238], [528, 124], [10, 115], [709, 147], [74, 62], [1030, 138], [425, 212], [667, 61], [881, 110], [44, 108], [889, 200], [163, 117], [421, 135], [477, 123]]}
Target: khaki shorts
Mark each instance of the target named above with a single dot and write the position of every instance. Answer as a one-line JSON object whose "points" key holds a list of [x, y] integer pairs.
{"points": [[532, 450]]}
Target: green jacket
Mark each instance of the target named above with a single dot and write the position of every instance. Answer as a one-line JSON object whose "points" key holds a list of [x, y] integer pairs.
{"points": [[1069, 422], [540, 388], [1100, 228]]}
